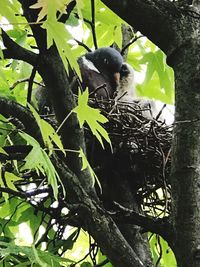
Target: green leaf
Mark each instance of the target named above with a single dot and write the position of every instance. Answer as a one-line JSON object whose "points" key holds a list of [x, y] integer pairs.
{"points": [[38, 160], [86, 165], [168, 258], [11, 178], [48, 133], [86, 264], [2, 151], [79, 5], [1, 51], [8, 9], [8, 208], [159, 80], [46, 7], [118, 35], [92, 117], [58, 33], [35, 256]]}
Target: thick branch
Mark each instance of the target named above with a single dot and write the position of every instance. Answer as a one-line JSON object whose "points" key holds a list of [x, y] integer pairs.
{"points": [[9, 108], [16, 152], [159, 226], [55, 78], [15, 51], [97, 222], [31, 15], [153, 18]]}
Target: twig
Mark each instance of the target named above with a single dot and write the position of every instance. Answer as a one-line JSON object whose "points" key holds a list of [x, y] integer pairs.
{"points": [[130, 43], [9, 108], [24, 80], [30, 84], [69, 10], [102, 263], [83, 45], [160, 112], [103, 86], [160, 250], [151, 224], [93, 24]]}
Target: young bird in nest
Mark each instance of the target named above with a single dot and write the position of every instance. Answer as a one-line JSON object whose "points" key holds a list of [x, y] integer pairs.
{"points": [[126, 93]]}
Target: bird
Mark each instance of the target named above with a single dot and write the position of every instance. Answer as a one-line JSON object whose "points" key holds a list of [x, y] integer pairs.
{"points": [[126, 91], [100, 71]]}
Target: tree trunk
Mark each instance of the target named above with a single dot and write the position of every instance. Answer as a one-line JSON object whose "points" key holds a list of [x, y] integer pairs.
{"points": [[186, 157]]}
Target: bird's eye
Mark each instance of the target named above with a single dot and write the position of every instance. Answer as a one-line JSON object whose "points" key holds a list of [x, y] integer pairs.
{"points": [[105, 61], [123, 68]]}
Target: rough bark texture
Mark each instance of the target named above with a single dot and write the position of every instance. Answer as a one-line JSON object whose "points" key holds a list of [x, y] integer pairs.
{"points": [[175, 29], [186, 155]]}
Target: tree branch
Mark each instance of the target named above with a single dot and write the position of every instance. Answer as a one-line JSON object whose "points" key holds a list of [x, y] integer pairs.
{"points": [[16, 152], [159, 226], [97, 221], [31, 15], [15, 51], [153, 18], [9, 108], [13, 192], [130, 43], [93, 24], [69, 10]]}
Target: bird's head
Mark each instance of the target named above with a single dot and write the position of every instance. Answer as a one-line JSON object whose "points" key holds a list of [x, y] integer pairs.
{"points": [[127, 83], [108, 61], [126, 72]]}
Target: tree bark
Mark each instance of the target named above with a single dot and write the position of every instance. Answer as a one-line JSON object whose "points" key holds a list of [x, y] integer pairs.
{"points": [[186, 157]]}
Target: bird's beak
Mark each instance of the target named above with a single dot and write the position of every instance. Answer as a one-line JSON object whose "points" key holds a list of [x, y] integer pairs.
{"points": [[116, 77]]}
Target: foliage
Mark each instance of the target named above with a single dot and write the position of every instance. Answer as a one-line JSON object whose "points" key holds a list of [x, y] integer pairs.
{"points": [[160, 247], [54, 244], [34, 256], [92, 117], [38, 160]]}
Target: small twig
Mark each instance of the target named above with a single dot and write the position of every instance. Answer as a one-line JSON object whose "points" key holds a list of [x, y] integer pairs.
{"points": [[130, 43], [160, 251], [69, 10], [160, 112], [62, 123], [103, 86], [102, 263], [116, 102], [83, 45], [93, 24], [186, 121], [30, 84], [22, 81]]}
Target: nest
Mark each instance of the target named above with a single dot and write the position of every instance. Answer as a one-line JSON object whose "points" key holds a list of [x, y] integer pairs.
{"points": [[141, 149], [141, 152]]}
